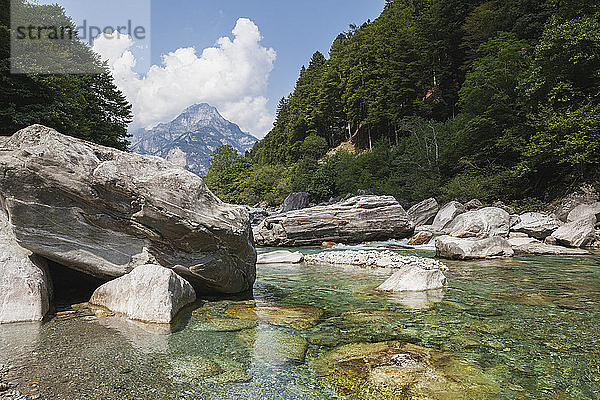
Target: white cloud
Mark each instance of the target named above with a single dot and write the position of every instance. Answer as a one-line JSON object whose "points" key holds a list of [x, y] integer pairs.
{"points": [[231, 76]]}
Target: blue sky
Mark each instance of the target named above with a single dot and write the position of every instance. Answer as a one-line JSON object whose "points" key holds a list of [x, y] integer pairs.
{"points": [[294, 29], [212, 52]]}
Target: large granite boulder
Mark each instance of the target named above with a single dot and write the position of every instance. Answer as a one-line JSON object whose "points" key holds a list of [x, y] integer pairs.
{"points": [[586, 194], [579, 233], [583, 211], [446, 215], [525, 245], [149, 293], [483, 223], [104, 212], [25, 286], [358, 219], [472, 248], [537, 225], [295, 201], [424, 212]]}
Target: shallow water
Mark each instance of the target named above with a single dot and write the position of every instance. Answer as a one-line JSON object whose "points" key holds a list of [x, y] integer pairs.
{"points": [[530, 324]]}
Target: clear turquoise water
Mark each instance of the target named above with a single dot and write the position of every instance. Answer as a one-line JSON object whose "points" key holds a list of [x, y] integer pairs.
{"points": [[531, 324]]}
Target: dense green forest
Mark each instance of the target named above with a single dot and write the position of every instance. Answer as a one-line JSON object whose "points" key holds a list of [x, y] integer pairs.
{"points": [[456, 99], [88, 106]]}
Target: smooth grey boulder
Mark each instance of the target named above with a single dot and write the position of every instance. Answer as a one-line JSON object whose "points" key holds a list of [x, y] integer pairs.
{"points": [[25, 286], [586, 194], [424, 212], [356, 220], [583, 211], [579, 233], [482, 223], [414, 279], [149, 293], [280, 257], [295, 201], [525, 245], [508, 209], [474, 204], [446, 215], [537, 225], [103, 212], [472, 248]]}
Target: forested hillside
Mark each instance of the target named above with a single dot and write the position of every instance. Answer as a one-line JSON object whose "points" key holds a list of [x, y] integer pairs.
{"points": [[450, 98], [88, 106]]}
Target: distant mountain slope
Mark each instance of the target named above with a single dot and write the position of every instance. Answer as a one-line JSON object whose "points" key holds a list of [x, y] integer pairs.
{"points": [[190, 139]]}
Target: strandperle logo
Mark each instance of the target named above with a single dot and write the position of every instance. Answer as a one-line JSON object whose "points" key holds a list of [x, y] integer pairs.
{"points": [[83, 32], [45, 40]]}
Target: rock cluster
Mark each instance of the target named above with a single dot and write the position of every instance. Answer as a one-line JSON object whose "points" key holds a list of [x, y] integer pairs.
{"points": [[494, 232], [105, 212], [373, 259], [355, 220]]}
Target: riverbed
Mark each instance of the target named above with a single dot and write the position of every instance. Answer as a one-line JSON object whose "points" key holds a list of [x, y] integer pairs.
{"points": [[528, 325]]}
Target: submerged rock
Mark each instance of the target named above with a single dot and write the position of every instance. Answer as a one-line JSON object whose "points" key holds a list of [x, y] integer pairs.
{"points": [[103, 212], [25, 286], [395, 370], [276, 347], [471, 248], [149, 293], [414, 279], [483, 223], [297, 316], [280, 257], [537, 225], [356, 220], [447, 214], [424, 212]]}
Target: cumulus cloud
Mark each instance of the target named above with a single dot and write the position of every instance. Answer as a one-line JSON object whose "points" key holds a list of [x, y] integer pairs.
{"points": [[232, 76]]}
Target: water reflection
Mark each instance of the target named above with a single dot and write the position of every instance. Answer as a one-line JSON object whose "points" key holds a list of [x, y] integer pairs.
{"points": [[18, 340], [147, 338], [417, 300]]}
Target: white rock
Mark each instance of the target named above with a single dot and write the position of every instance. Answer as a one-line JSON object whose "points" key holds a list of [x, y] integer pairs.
{"points": [[482, 223], [472, 248], [577, 233], [280, 257], [583, 211], [373, 259], [414, 279], [537, 225], [447, 214], [524, 245], [149, 293], [25, 287]]}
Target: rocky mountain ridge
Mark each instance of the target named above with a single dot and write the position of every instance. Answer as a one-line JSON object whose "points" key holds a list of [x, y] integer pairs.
{"points": [[190, 139]]}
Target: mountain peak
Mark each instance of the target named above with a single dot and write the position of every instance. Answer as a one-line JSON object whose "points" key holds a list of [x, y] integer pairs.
{"points": [[191, 137]]}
